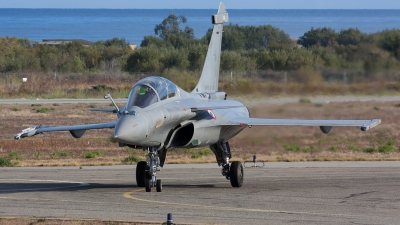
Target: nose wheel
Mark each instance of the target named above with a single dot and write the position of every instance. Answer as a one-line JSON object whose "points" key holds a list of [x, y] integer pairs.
{"points": [[150, 184], [146, 171]]}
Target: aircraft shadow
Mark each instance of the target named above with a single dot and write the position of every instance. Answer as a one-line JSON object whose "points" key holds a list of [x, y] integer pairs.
{"points": [[9, 188]]}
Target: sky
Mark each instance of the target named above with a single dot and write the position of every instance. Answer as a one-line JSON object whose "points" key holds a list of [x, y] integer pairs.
{"points": [[204, 4]]}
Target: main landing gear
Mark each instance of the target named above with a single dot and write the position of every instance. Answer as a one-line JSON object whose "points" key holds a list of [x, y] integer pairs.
{"points": [[146, 171], [233, 172]]}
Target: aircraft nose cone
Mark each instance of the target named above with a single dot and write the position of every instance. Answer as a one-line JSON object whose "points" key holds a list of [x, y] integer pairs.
{"points": [[129, 129]]}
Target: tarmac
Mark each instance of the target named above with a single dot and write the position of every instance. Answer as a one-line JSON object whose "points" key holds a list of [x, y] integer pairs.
{"points": [[278, 193]]}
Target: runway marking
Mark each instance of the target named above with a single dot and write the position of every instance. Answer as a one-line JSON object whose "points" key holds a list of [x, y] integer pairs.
{"points": [[223, 208], [77, 184]]}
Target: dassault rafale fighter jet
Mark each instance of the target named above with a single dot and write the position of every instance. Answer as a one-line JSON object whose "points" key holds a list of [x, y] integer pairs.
{"points": [[159, 115]]}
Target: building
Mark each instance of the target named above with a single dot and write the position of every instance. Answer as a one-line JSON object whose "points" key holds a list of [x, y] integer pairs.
{"points": [[57, 42]]}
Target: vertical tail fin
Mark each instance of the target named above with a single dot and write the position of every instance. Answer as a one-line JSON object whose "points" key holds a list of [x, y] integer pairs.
{"points": [[209, 76]]}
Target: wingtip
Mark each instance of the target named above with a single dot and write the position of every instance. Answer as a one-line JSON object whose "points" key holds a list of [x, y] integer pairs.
{"points": [[372, 124]]}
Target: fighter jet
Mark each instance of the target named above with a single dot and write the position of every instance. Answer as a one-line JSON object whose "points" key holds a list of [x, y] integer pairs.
{"points": [[159, 115]]}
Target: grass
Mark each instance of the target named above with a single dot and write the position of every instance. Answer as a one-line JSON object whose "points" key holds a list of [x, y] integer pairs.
{"points": [[295, 148], [200, 153], [59, 154], [91, 155], [302, 143], [132, 159]]}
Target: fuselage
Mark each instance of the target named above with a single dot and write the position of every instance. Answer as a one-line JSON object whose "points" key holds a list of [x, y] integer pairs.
{"points": [[172, 122]]}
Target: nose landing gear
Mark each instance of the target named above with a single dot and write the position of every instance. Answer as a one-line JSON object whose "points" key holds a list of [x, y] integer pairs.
{"points": [[146, 171]]}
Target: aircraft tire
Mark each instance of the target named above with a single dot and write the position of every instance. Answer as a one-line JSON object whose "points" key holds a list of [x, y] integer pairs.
{"points": [[236, 174], [148, 185], [159, 186], [141, 173]]}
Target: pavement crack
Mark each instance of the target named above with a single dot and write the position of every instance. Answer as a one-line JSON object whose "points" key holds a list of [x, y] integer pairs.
{"points": [[359, 194]]}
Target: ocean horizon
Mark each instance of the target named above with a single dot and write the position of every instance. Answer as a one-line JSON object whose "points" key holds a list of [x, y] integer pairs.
{"points": [[134, 24]]}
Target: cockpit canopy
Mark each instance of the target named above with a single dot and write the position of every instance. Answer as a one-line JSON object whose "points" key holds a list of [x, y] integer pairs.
{"points": [[150, 90]]}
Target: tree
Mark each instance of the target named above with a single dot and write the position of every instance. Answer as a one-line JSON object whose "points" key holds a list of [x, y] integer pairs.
{"points": [[321, 36], [389, 40], [153, 40], [144, 60], [233, 38], [351, 36], [171, 26]]}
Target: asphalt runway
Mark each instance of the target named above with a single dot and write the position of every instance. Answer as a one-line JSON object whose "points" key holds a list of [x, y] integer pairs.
{"points": [[279, 193]]}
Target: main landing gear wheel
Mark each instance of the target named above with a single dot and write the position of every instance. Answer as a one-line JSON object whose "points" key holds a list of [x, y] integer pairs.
{"points": [[236, 174], [159, 186], [141, 173]]}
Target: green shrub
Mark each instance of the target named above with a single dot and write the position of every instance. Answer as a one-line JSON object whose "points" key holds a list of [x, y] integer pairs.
{"points": [[62, 154], [131, 159], [14, 155], [387, 147], [5, 162], [369, 150], [304, 100], [56, 104], [92, 106], [282, 159], [36, 105], [15, 109], [189, 150], [354, 148], [91, 155], [196, 156], [333, 149], [200, 153], [43, 110], [102, 88], [295, 148]]}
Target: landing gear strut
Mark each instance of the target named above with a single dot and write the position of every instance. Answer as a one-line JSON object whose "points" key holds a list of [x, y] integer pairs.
{"points": [[146, 171], [233, 172]]}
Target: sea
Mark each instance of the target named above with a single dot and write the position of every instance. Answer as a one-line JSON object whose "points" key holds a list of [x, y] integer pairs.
{"points": [[134, 24]]}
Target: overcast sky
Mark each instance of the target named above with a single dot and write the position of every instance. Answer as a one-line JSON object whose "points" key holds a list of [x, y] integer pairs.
{"points": [[204, 4]]}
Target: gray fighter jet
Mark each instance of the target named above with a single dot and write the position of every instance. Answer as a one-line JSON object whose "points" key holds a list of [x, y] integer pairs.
{"points": [[159, 115]]}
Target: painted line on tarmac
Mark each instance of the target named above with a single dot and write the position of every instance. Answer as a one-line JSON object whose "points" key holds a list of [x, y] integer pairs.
{"points": [[76, 184], [130, 195]]}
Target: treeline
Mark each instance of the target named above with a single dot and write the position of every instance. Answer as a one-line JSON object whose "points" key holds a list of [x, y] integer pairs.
{"points": [[18, 55], [245, 48]]}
